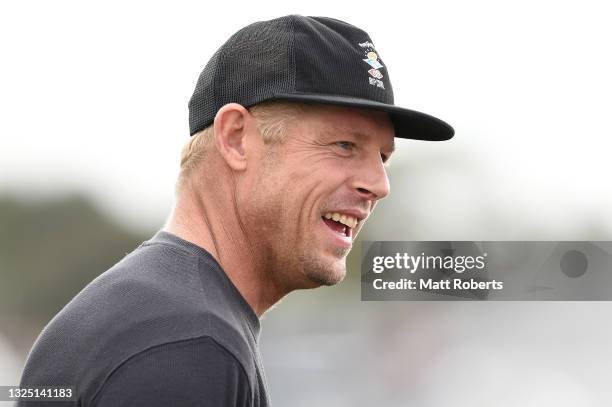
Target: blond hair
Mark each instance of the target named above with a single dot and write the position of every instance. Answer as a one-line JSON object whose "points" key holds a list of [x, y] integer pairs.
{"points": [[272, 118]]}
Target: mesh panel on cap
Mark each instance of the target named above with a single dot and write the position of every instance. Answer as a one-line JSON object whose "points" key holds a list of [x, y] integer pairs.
{"points": [[253, 65], [202, 102]]}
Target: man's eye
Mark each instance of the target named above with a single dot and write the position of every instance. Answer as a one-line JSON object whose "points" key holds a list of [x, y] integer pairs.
{"points": [[345, 145]]}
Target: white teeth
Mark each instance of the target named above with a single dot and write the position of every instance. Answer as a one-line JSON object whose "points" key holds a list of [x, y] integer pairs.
{"points": [[344, 219]]}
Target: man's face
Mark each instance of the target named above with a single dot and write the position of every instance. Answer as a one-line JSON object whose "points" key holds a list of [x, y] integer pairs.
{"points": [[310, 195]]}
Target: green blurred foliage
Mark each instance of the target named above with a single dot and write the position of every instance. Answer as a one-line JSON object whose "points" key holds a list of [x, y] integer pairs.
{"points": [[49, 250]]}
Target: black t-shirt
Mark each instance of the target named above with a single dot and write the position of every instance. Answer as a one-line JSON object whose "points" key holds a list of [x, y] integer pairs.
{"points": [[163, 327]]}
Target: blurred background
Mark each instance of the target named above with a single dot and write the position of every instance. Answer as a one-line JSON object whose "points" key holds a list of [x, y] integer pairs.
{"points": [[93, 102]]}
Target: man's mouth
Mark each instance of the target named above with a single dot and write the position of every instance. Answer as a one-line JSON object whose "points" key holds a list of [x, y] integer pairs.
{"points": [[339, 223]]}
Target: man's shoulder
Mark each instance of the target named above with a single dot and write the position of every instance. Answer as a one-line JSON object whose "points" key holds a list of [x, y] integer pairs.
{"points": [[153, 297]]}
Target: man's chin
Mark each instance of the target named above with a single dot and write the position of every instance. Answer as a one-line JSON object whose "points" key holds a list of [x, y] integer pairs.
{"points": [[327, 276], [324, 270]]}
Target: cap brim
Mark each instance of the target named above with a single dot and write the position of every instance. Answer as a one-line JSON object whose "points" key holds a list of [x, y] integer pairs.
{"points": [[408, 124]]}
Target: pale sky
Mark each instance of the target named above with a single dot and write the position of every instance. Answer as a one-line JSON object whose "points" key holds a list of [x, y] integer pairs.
{"points": [[93, 97]]}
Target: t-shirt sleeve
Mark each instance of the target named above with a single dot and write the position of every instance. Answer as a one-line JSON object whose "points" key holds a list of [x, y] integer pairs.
{"points": [[194, 373]]}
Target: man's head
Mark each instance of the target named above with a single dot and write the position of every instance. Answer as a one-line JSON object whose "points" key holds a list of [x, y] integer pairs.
{"points": [[300, 181], [292, 121]]}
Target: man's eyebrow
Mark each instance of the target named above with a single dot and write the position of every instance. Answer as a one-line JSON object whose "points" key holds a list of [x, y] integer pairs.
{"points": [[390, 148], [360, 135]]}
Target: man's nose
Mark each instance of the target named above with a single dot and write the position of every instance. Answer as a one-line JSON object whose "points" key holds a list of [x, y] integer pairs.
{"points": [[371, 181]]}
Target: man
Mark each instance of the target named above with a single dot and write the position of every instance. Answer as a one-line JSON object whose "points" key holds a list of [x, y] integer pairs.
{"points": [[292, 122]]}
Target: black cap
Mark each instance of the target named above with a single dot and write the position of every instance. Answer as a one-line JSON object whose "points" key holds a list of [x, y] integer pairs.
{"points": [[306, 59]]}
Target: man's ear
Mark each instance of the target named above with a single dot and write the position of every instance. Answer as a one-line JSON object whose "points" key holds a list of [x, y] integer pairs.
{"points": [[230, 130]]}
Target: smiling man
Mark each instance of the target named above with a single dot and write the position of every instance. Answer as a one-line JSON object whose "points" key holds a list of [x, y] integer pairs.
{"points": [[292, 121], [280, 212]]}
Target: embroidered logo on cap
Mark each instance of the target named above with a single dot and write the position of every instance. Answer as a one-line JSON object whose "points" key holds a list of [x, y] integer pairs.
{"points": [[375, 73], [377, 83], [371, 58]]}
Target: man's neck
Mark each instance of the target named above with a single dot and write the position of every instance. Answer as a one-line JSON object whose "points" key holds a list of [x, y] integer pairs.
{"points": [[201, 223]]}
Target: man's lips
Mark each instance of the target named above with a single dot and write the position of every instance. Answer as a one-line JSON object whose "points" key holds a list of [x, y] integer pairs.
{"points": [[343, 221], [338, 227], [336, 234]]}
